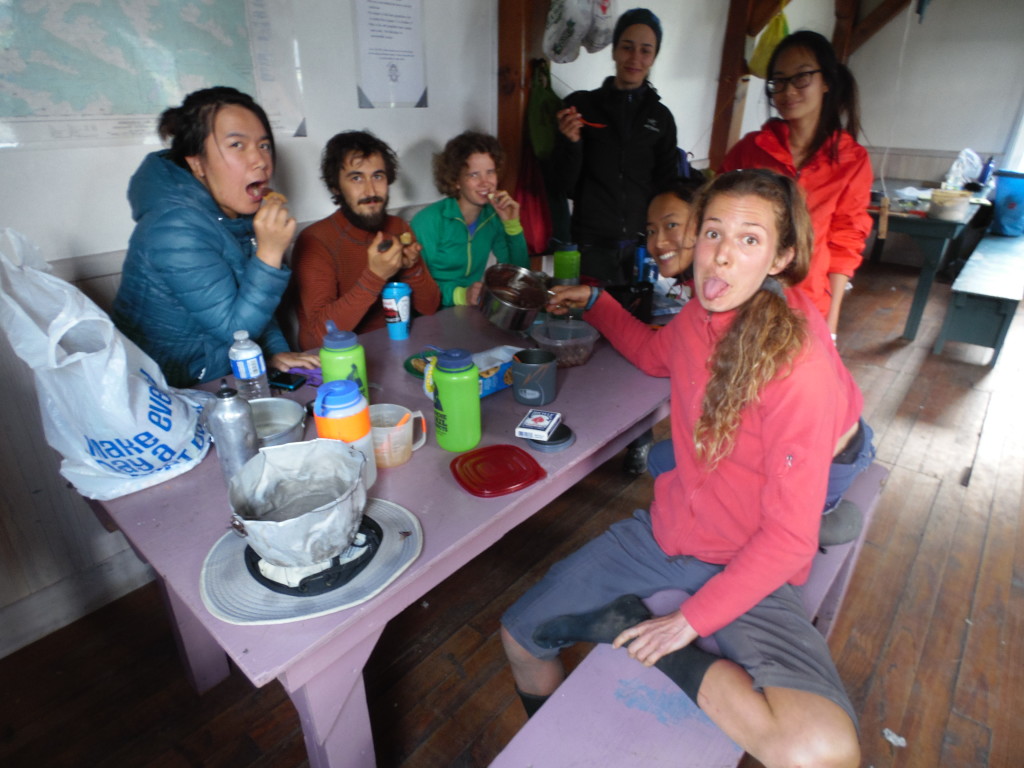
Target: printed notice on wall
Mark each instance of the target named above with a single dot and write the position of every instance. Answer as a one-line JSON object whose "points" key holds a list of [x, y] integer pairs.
{"points": [[389, 42]]}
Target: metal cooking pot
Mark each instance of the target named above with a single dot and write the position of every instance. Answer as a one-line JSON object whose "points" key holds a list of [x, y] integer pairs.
{"points": [[299, 504], [512, 296], [278, 420]]}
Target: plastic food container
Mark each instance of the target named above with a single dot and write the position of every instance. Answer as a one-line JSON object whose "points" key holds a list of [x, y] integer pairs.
{"points": [[949, 204], [572, 341]]}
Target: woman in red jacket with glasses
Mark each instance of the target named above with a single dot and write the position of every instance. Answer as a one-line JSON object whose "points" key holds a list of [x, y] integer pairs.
{"points": [[814, 141]]}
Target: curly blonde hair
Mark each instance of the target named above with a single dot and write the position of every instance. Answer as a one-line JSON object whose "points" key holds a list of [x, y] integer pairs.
{"points": [[766, 334], [449, 163]]}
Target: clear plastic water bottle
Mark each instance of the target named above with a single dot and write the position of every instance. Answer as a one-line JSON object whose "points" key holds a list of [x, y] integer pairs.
{"points": [[249, 367], [234, 431]]}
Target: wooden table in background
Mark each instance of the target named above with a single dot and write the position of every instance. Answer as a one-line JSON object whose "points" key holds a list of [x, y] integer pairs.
{"points": [[933, 236]]}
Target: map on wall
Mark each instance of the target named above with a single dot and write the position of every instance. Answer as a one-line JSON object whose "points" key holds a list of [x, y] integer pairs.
{"points": [[88, 72]]}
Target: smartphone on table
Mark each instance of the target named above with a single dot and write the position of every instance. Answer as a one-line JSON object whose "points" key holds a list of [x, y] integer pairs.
{"points": [[286, 381]]}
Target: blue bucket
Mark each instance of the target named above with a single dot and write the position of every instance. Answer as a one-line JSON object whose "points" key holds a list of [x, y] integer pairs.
{"points": [[1008, 217]]}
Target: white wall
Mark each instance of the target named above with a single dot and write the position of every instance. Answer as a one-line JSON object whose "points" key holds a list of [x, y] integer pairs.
{"points": [[961, 84], [71, 202]]}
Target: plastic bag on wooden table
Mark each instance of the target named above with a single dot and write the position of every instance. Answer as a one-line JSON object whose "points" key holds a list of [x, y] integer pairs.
{"points": [[105, 405], [567, 24], [602, 28]]}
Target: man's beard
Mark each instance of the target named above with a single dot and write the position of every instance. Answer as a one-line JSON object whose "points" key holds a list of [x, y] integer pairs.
{"points": [[372, 223]]}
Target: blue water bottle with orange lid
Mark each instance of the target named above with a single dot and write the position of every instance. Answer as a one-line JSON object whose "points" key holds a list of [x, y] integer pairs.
{"points": [[342, 413], [343, 357], [456, 400]]}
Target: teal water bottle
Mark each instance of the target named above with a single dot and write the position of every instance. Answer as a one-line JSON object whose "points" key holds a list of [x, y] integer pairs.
{"points": [[456, 400], [343, 357]]}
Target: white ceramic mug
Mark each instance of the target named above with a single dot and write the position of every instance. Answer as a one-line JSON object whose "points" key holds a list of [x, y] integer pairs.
{"points": [[393, 443]]}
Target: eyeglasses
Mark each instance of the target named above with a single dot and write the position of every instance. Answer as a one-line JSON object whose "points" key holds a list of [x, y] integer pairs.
{"points": [[799, 81]]}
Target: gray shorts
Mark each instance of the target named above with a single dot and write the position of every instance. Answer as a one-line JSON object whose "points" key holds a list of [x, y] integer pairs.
{"points": [[774, 642]]}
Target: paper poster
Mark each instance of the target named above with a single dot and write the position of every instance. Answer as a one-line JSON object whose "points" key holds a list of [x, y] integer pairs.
{"points": [[389, 47]]}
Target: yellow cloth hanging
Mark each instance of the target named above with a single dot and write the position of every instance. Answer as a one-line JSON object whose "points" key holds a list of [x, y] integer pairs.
{"points": [[773, 34]]}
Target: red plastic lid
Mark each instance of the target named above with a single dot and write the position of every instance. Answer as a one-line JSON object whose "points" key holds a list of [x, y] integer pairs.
{"points": [[496, 470]]}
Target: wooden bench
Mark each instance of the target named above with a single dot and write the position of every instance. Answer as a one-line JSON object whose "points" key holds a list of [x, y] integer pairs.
{"points": [[985, 295], [613, 711]]}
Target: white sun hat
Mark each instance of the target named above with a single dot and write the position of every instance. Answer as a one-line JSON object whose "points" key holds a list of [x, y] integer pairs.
{"points": [[231, 593]]}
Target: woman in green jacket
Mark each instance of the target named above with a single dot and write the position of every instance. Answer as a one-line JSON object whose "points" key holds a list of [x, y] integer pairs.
{"points": [[475, 219]]}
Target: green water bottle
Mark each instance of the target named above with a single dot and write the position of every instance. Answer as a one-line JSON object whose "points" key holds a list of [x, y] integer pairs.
{"points": [[567, 265], [456, 400], [343, 357]]}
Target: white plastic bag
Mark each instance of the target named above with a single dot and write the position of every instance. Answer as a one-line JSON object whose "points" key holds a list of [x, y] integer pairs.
{"points": [[105, 405], [966, 167], [567, 23], [602, 27]]}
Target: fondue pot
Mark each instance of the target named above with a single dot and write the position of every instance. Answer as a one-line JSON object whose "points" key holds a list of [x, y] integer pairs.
{"points": [[512, 296]]}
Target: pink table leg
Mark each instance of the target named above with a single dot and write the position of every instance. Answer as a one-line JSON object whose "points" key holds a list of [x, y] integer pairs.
{"points": [[332, 708], [206, 663]]}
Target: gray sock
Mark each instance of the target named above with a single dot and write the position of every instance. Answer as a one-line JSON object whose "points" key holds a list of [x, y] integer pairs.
{"points": [[531, 702], [687, 667], [602, 625]]}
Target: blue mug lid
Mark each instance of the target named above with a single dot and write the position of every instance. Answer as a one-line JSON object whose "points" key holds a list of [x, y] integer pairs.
{"points": [[454, 359], [397, 287], [335, 339], [336, 395]]}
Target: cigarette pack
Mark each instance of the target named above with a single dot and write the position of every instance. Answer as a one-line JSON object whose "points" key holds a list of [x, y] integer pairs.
{"points": [[538, 425]]}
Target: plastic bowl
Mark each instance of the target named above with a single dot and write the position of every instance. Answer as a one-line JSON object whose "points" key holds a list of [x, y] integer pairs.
{"points": [[278, 420], [949, 204], [572, 341]]}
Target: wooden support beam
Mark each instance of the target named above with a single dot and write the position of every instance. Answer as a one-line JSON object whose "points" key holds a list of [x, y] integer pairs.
{"points": [[761, 12], [842, 32], [520, 39], [885, 12], [733, 67]]}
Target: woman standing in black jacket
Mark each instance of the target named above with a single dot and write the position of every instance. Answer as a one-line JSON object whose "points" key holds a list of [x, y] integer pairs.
{"points": [[616, 145]]}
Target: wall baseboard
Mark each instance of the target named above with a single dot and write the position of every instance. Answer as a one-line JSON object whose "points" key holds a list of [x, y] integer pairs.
{"points": [[69, 599]]}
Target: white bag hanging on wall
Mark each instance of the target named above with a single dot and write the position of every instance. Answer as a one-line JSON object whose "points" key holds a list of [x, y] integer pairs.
{"points": [[568, 22], [105, 405], [602, 26]]}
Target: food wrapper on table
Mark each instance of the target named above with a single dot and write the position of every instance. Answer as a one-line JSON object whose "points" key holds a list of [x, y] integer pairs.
{"points": [[495, 368]]}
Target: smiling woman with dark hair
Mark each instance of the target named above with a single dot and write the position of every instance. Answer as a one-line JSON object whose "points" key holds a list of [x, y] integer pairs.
{"points": [[205, 259], [616, 145], [814, 141]]}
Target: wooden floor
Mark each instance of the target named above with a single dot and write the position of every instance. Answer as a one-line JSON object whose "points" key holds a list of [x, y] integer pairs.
{"points": [[930, 641]]}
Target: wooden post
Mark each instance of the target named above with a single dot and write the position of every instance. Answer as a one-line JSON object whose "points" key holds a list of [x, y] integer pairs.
{"points": [[732, 68], [746, 18], [842, 32], [520, 39]]}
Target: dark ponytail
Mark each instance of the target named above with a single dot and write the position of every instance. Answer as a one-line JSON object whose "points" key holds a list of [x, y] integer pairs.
{"points": [[840, 108], [187, 127]]}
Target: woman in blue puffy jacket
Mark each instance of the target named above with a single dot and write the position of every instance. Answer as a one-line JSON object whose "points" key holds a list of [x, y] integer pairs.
{"points": [[205, 259]]}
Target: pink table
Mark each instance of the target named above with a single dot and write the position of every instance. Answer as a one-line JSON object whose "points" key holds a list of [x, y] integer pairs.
{"points": [[319, 661]]}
